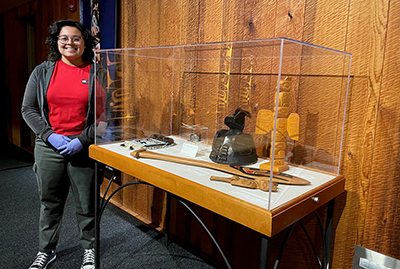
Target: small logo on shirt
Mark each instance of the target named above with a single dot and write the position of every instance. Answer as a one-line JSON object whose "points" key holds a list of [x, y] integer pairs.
{"points": [[85, 81]]}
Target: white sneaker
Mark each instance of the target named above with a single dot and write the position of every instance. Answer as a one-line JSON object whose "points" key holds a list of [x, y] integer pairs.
{"points": [[42, 260], [88, 259]]}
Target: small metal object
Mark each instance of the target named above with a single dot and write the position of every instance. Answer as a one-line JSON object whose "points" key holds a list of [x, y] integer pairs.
{"points": [[194, 137], [315, 199]]}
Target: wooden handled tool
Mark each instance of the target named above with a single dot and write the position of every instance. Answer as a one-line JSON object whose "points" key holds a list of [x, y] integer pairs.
{"points": [[257, 183], [277, 178]]}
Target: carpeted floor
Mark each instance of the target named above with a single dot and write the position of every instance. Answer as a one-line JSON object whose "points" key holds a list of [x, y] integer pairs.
{"points": [[128, 244]]}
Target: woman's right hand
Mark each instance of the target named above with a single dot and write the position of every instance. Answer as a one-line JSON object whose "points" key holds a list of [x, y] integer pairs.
{"points": [[58, 141]]}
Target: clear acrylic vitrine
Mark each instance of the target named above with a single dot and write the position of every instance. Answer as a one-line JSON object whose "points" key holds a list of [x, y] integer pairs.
{"points": [[295, 94]]}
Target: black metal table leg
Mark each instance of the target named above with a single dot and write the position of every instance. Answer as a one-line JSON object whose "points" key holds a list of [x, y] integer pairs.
{"points": [[99, 170], [265, 251], [167, 218], [328, 235], [207, 230], [326, 241]]}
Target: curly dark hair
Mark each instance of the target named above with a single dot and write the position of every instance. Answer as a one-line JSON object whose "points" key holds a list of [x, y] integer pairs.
{"points": [[52, 39]]}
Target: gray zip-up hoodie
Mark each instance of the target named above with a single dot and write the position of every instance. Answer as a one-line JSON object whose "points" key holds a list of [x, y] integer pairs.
{"points": [[35, 109]]}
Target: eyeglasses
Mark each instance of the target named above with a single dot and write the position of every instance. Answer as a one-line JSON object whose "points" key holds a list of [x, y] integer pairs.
{"points": [[77, 40]]}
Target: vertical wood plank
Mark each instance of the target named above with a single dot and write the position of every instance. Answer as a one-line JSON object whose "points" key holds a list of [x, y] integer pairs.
{"points": [[233, 20], [290, 19], [365, 40], [149, 24], [259, 19], [128, 24], [170, 24], [210, 21], [325, 23], [190, 21], [382, 212]]}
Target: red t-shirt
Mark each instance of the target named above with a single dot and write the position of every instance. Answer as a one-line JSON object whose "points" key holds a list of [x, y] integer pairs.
{"points": [[67, 98]]}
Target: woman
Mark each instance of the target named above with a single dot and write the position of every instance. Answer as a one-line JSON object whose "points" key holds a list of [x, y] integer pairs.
{"points": [[58, 106]]}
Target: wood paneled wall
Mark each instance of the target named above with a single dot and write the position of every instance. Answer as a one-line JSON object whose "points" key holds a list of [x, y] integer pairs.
{"points": [[368, 213]]}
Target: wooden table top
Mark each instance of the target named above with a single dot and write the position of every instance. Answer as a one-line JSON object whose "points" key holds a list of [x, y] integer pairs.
{"points": [[261, 211]]}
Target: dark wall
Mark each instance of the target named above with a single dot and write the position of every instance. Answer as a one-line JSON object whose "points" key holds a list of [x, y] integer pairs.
{"points": [[4, 89], [24, 28]]}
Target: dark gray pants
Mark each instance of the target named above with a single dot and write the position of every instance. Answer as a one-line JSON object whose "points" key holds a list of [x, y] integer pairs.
{"points": [[55, 175]]}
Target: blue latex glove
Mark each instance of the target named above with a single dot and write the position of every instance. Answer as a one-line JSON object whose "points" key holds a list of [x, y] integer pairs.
{"points": [[58, 141], [72, 147]]}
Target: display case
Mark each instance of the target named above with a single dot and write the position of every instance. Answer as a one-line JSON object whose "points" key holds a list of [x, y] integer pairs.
{"points": [[293, 93]]}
